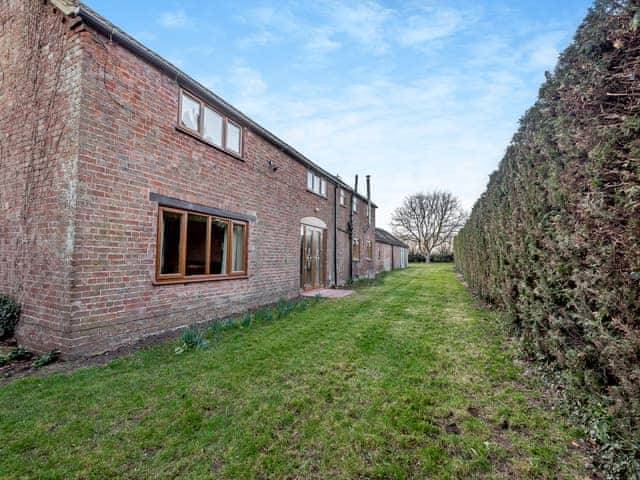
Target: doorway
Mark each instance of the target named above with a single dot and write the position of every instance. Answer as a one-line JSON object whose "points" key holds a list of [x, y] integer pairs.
{"points": [[312, 257]]}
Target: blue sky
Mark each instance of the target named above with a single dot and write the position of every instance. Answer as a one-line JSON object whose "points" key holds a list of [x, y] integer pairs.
{"points": [[421, 95]]}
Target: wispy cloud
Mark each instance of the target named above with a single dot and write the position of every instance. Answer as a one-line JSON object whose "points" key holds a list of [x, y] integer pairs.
{"points": [[174, 19], [543, 50], [361, 22], [421, 94], [438, 23]]}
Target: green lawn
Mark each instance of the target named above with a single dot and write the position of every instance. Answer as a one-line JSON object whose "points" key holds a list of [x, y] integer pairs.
{"points": [[406, 378]]}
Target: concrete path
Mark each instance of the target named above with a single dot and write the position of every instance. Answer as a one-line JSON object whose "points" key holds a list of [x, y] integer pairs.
{"points": [[327, 293]]}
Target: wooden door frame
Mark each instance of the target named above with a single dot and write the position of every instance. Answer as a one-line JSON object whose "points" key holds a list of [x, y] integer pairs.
{"points": [[309, 229]]}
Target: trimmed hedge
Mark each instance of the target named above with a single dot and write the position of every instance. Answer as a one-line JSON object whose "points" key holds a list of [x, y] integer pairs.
{"points": [[555, 239]]}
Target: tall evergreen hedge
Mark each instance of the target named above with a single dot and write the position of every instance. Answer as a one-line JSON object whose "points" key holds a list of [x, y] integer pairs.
{"points": [[555, 239]]}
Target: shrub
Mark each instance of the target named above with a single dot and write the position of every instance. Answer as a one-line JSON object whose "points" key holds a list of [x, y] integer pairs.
{"points": [[46, 359], [417, 258], [441, 257], [191, 339], [554, 240], [9, 315], [20, 353]]}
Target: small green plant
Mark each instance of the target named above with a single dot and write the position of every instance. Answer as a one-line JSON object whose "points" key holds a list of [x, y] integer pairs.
{"points": [[191, 339], [20, 353], [259, 316], [268, 315], [230, 323], [46, 359], [281, 307], [16, 354], [246, 320], [214, 330], [9, 315]]}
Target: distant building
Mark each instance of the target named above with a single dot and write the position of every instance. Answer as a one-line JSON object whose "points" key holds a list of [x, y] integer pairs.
{"points": [[391, 253]]}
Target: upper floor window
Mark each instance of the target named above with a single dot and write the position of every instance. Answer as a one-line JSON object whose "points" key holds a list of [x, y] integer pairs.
{"points": [[354, 203], [206, 123], [342, 197], [316, 184], [193, 246]]}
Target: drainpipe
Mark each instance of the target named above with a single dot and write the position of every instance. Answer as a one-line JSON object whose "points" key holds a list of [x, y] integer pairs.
{"points": [[335, 236], [370, 266], [353, 199]]}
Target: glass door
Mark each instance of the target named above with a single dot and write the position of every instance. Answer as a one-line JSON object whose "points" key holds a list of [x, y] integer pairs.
{"points": [[312, 257]]}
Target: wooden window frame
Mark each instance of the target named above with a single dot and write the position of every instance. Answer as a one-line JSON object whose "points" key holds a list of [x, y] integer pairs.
{"points": [[354, 204], [369, 250], [181, 276], [199, 134], [356, 254], [343, 199]]}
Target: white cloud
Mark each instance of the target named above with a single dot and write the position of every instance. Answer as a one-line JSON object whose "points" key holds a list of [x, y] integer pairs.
{"points": [[248, 82], [174, 19], [362, 22], [410, 137], [543, 51], [421, 29]]}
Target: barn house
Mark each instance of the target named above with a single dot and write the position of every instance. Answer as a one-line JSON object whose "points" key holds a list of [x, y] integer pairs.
{"points": [[135, 201]]}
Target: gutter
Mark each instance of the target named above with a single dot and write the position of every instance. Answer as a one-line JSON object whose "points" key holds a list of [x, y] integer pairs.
{"points": [[115, 34]]}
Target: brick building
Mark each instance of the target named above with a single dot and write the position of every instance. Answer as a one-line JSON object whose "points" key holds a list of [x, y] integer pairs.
{"points": [[391, 253], [134, 201]]}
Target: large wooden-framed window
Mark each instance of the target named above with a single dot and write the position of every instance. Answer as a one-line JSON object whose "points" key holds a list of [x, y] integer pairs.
{"points": [[355, 249], [205, 123], [369, 249], [342, 201], [197, 247]]}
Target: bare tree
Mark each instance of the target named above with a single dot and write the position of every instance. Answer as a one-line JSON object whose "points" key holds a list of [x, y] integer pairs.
{"points": [[428, 221]]}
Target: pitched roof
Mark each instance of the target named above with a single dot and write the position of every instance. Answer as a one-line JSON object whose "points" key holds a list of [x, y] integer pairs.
{"points": [[101, 24], [382, 236]]}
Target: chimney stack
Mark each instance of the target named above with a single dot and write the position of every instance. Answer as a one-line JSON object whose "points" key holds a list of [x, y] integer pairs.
{"points": [[369, 198], [356, 185]]}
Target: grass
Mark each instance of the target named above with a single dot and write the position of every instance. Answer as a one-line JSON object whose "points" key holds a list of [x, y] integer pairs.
{"points": [[404, 379]]}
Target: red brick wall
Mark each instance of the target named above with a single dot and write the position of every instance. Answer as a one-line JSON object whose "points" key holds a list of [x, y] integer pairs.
{"points": [[86, 278], [39, 94], [129, 147], [365, 267]]}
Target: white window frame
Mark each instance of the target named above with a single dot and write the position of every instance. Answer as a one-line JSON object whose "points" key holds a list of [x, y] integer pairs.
{"points": [[316, 184]]}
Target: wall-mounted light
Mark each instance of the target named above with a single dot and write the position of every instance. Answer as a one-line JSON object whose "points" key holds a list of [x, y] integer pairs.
{"points": [[273, 166]]}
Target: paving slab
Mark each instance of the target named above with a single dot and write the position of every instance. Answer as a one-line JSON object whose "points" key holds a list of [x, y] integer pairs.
{"points": [[327, 293]]}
